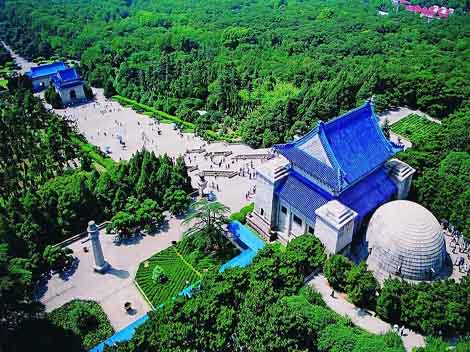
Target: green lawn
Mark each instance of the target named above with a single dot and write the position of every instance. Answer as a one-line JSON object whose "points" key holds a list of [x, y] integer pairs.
{"points": [[3, 83], [103, 161], [414, 127], [180, 274]]}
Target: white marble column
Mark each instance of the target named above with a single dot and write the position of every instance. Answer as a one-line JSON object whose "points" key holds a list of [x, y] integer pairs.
{"points": [[101, 265]]}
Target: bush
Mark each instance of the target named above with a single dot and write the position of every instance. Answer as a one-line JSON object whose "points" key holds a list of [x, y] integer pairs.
{"points": [[336, 269], [361, 286], [307, 252], [312, 296], [86, 319], [243, 213], [158, 275], [53, 98], [56, 258]]}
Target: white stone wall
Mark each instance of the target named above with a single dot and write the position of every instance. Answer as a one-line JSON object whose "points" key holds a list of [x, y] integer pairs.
{"points": [[41, 83], [65, 94], [335, 226], [264, 199]]}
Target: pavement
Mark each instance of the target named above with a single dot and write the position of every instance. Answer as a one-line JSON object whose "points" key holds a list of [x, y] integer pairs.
{"points": [[361, 317], [105, 122], [112, 289]]}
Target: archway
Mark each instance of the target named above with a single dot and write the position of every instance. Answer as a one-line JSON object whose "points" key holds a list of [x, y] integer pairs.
{"points": [[73, 95]]}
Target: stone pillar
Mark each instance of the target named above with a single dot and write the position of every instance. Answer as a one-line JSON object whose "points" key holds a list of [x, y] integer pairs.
{"points": [[401, 174], [334, 226], [202, 185], [101, 265]]}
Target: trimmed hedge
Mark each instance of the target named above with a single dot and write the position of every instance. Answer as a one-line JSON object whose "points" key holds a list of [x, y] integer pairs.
{"points": [[243, 213], [65, 317], [94, 153]]}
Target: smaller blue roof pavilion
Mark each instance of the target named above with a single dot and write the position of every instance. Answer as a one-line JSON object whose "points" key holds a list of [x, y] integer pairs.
{"points": [[60, 76]]}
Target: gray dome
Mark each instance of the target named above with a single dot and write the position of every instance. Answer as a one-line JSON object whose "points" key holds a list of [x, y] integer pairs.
{"points": [[406, 240]]}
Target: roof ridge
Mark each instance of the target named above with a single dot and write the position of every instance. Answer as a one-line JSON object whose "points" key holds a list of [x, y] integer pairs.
{"points": [[347, 114], [56, 63]]}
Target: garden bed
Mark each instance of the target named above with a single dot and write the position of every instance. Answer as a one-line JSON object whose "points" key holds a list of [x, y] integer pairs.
{"points": [[414, 128], [86, 319], [179, 272], [183, 264]]}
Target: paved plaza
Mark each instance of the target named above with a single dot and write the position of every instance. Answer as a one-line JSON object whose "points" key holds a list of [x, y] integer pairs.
{"points": [[105, 122], [112, 289]]}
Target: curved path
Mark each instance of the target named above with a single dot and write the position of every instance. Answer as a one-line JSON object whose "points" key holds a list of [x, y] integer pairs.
{"points": [[361, 317]]}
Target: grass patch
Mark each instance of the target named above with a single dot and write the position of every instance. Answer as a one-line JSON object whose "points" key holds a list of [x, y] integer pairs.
{"points": [[414, 128], [94, 153], [3, 83], [179, 272], [77, 314], [183, 264]]}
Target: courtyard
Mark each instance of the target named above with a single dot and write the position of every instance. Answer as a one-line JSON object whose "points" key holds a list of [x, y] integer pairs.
{"points": [[112, 289]]}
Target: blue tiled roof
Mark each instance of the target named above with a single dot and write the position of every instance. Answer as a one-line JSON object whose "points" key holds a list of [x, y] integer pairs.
{"points": [[368, 194], [357, 142], [67, 78], [354, 144], [312, 166], [46, 70], [302, 195]]}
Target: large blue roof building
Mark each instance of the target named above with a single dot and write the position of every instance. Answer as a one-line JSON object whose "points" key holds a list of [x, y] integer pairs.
{"points": [[330, 180], [65, 80]]}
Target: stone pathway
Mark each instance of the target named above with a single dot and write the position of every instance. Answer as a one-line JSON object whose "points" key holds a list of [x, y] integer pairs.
{"points": [[361, 317]]}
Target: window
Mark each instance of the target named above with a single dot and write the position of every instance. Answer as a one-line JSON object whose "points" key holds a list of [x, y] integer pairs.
{"points": [[310, 230], [262, 211], [297, 220], [284, 210]]}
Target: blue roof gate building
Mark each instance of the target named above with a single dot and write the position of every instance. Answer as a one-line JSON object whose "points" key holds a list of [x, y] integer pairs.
{"points": [[330, 180], [65, 80]]}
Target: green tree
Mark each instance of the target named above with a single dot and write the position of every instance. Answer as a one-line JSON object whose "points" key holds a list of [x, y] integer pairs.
{"points": [[57, 258], [336, 270], [209, 218], [176, 201], [361, 286], [389, 302]]}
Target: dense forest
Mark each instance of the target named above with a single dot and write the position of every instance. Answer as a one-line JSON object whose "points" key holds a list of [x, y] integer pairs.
{"points": [[263, 69], [50, 188], [268, 77]]}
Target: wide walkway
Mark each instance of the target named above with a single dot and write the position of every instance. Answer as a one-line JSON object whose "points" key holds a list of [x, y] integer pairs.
{"points": [[112, 289], [361, 317]]}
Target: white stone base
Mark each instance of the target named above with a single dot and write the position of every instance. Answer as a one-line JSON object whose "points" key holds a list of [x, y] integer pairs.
{"points": [[101, 269]]}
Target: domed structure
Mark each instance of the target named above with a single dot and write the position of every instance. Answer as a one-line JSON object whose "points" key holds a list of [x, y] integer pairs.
{"points": [[405, 240]]}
